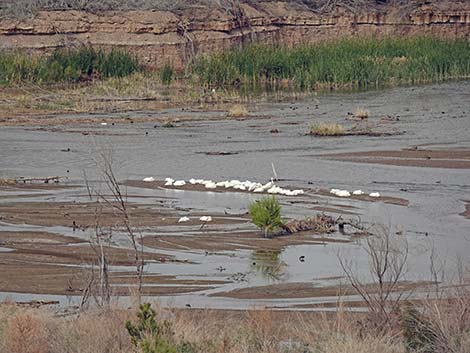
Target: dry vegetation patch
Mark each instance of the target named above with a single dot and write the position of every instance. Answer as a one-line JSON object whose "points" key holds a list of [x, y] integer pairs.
{"points": [[326, 129], [237, 111]]}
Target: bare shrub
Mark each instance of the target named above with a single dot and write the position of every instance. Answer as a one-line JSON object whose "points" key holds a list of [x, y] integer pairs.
{"points": [[113, 199], [25, 8], [26, 333], [387, 263]]}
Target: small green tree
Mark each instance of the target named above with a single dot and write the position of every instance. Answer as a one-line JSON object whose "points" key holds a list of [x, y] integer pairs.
{"points": [[266, 214], [150, 336], [166, 75]]}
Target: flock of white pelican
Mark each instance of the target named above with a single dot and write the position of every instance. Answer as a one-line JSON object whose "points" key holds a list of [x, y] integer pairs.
{"points": [[247, 185], [346, 193], [254, 187]]}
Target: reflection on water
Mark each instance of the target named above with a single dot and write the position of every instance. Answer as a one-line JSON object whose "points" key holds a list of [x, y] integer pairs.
{"points": [[268, 263]]}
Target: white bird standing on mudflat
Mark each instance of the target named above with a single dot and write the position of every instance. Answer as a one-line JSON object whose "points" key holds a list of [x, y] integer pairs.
{"points": [[210, 185], [340, 193], [169, 181]]}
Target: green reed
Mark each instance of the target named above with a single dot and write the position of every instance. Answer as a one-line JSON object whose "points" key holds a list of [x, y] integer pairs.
{"points": [[65, 65], [347, 63]]}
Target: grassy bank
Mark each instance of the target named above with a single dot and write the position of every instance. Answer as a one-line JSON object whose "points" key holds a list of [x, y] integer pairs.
{"points": [[117, 82], [354, 63], [65, 65]]}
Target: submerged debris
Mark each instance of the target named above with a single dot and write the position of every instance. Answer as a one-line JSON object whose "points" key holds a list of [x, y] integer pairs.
{"points": [[319, 224], [219, 153]]}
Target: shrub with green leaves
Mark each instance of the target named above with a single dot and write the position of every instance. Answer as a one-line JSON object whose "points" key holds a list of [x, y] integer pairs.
{"points": [[150, 336], [266, 214]]}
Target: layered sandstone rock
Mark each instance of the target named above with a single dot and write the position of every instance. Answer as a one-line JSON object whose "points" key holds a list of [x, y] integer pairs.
{"points": [[161, 37]]}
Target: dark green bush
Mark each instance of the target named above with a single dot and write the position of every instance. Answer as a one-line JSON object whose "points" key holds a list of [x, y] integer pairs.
{"points": [[150, 336], [266, 214]]}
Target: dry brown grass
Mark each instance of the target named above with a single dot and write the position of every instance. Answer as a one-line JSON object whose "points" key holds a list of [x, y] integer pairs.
{"points": [[27, 330], [361, 113], [237, 111], [326, 129]]}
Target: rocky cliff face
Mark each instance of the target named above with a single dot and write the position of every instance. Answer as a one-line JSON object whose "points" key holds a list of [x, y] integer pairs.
{"points": [[160, 37]]}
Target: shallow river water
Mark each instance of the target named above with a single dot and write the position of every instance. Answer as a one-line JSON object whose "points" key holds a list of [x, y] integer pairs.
{"points": [[430, 116]]}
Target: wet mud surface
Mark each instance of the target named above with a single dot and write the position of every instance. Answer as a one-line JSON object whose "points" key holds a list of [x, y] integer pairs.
{"points": [[305, 290], [452, 158], [421, 175]]}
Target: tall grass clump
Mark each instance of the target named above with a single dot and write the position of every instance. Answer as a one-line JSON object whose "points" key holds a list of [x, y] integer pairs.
{"points": [[347, 63], [326, 129], [65, 65], [237, 111], [266, 214], [167, 74]]}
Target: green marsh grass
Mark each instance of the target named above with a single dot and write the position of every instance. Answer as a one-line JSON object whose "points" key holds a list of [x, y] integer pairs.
{"points": [[65, 65], [348, 63]]}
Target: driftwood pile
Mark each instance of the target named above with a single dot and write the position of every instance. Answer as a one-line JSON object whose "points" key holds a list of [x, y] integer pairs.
{"points": [[319, 224]]}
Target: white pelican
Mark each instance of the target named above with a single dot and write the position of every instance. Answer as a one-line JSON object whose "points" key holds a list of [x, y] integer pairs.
{"points": [[210, 185], [206, 219], [183, 219], [268, 186], [149, 179], [374, 194], [358, 192], [179, 183], [343, 193], [169, 181]]}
